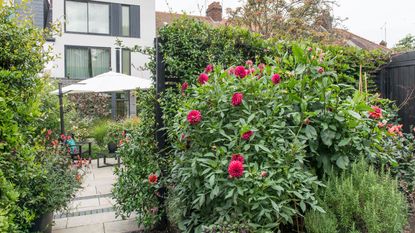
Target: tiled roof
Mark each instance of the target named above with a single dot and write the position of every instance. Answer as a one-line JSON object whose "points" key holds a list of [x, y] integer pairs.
{"points": [[163, 18], [358, 41]]}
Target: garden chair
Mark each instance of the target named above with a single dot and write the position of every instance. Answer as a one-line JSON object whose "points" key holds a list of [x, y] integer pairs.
{"points": [[75, 149]]}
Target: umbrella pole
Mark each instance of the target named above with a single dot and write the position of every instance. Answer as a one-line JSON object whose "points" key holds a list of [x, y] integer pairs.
{"points": [[61, 109]]}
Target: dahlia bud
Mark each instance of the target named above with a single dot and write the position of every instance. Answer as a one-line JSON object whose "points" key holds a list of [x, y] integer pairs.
{"points": [[264, 174]]}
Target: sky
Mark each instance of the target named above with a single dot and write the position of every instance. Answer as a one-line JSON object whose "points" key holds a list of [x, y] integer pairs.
{"points": [[366, 18]]}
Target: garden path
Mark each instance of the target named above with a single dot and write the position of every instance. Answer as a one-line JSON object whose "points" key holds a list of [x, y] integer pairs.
{"points": [[91, 211]]}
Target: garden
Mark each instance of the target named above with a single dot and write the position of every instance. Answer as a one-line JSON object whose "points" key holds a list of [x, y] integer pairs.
{"points": [[260, 135], [264, 135]]}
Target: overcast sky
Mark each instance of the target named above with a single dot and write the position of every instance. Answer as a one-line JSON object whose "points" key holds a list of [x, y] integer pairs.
{"points": [[365, 17]]}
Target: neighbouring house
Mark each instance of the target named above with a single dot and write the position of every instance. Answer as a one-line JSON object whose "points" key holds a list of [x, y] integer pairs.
{"points": [[214, 16], [89, 32]]}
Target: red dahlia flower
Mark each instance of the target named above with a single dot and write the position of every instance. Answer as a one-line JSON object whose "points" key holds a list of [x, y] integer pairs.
{"points": [[203, 78], [152, 178], [238, 157], [185, 85], [237, 99], [231, 70], [240, 72], [194, 117], [235, 169], [209, 68], [247, 135], [276, 79], [375, 113]]}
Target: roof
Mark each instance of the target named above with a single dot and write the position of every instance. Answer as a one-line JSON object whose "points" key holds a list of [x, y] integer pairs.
{"points": [[163, 18], [358, 41]]}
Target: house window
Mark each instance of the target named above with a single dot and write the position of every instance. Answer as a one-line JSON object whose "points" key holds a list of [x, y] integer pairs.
{"points": [[126, 61], [87, 17], [85, 62], [125, 20]]}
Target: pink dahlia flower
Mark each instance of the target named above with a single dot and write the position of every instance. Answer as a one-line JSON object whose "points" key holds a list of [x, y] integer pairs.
{"points": [[237, 99], [236, 169], [276, 79], [240, 72], [194, 117], [247, 135], [203, 78]]}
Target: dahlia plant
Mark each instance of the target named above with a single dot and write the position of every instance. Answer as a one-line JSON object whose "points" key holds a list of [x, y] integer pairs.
{"points": [[252, 140]]}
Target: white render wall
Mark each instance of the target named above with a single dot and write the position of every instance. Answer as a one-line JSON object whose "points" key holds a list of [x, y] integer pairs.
{"points": [[147, 33]]}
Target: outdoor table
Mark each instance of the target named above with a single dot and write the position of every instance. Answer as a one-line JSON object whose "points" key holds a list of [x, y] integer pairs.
{"points": [[105, 155]]}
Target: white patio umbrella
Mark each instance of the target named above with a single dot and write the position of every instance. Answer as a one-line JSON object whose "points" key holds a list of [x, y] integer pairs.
{"points": [[107, 82]]}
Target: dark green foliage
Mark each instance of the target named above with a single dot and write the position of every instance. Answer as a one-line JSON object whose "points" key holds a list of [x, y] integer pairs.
{"points": [[133, 192], [189, 45], [25, 183], [360, 200]]}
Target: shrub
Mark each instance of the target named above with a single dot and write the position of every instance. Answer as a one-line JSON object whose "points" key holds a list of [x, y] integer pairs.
{"points": [[361, 200], [134, 191]]}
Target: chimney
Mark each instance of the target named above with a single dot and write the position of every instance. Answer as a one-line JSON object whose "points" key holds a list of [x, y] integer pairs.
{"points": [[214, 11], [383, 43]]}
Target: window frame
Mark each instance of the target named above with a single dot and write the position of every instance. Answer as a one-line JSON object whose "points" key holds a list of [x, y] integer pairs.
{"points": [[87, 23], [122, 60], [89, 59]]}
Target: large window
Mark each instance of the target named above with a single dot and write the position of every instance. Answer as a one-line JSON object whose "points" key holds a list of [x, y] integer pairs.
{"points": [[84, 62], [87, 17], [126, 61], [125, 20]]}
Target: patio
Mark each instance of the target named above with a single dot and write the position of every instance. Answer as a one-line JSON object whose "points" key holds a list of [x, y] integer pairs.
{"points": [[92, 209]]}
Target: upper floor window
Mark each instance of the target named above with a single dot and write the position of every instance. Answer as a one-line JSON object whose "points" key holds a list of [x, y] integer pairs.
{"points": [[125, 20], [87, 17]]}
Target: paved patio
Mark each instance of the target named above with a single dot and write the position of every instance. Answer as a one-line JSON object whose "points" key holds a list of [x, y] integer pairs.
{"points": [[91, 211]]}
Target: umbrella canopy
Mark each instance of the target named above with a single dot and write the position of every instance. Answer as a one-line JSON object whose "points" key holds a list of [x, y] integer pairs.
{"points": [[107, 82]]}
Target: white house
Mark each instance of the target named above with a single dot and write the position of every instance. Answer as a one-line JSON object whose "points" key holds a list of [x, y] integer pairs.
{"points": [[90, 29], [87, 44]]}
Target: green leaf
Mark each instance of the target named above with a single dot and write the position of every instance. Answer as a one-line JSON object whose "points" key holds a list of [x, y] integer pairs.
{"points": [[327, 137], [344, 141], [264, 148], [354, 114], [230, 194], [302, 206], [310, 132], [342, 162], [212, 180]]}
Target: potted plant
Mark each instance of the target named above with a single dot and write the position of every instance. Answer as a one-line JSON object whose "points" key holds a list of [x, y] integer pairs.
{"points": [[113, 136], [56, 186]]}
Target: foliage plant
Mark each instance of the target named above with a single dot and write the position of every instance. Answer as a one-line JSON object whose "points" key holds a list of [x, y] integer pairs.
{"points": [[302, 122], [33, 179], [359, 200], [136, 190]]}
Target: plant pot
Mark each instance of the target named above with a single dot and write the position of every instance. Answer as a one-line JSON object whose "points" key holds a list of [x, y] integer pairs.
{"points": [[112, 147], [43, 224]]}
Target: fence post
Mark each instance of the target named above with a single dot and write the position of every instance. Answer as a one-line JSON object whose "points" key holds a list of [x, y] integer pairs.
{"points": [[160, 134]]}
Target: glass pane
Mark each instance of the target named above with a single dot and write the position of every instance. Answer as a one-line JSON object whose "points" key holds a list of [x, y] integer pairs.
{"points": [[100, 61], [76, 16], [98, 16], [76, 63], [126, 62], [125, 21]]}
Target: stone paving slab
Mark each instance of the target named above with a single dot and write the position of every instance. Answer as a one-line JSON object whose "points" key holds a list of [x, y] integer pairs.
{"points": [[92, 209], [94, 228], [121, 226]]}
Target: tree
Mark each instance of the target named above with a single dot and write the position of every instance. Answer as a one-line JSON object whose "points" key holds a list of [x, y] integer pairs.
{"points": [[405, 44], [291, 19]]}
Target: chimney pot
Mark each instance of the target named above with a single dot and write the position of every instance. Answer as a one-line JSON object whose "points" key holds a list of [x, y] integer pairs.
{"points": [[214, 11]]}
